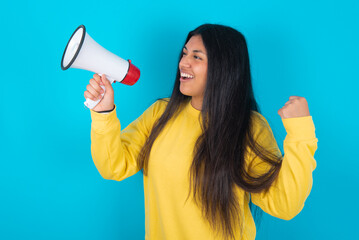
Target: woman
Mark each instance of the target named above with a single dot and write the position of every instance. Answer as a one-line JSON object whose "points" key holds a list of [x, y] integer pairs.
{"points": [[206, 152]]}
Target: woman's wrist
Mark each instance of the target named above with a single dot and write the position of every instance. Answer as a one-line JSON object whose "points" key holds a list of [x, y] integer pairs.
{"points": [[106, 111]]}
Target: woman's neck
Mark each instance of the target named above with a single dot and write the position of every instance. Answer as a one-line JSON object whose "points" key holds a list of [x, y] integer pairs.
{"points": [[197, 103]]}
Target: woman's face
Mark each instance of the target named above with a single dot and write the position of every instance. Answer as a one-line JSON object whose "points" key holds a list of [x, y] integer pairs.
{"points": [[193, 68]]}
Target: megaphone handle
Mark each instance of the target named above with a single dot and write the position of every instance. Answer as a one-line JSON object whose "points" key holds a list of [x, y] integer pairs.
{"points": [[90, 103]]}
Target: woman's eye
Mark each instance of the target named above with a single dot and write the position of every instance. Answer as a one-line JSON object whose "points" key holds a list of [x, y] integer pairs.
{"points": [[183, 53], [196, 57]]}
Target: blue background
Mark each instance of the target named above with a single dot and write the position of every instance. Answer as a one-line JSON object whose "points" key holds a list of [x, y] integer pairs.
{"points": [[49, 186]]}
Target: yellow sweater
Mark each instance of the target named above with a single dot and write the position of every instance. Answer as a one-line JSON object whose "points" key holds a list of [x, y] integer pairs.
{"points": [[166, 186]]}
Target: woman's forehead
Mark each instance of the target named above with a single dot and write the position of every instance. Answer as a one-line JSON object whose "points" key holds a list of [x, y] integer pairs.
{"points": [[195, 44]]}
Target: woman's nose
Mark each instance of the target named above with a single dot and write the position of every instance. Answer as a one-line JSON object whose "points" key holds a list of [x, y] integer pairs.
{"points": [[184, 62]]}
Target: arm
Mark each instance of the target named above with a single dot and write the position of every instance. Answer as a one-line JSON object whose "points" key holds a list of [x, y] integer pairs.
{"points": [[286, 197], [115, 152]]}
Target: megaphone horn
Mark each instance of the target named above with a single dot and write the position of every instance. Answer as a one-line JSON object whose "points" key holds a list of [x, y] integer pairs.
{"points": [[84, 53]]}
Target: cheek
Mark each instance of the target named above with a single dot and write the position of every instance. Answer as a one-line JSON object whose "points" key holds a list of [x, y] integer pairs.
{"points": [[203, 84], [204, 77]]}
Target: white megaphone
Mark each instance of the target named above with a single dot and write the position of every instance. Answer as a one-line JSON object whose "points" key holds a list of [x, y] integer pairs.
{"points": [[84, 53]]}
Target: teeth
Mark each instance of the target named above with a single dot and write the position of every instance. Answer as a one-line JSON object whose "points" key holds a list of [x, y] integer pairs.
{"points": [[186, 75]]}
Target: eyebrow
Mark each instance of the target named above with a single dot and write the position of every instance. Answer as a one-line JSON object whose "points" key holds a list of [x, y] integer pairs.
{"points": [[196, 51]]}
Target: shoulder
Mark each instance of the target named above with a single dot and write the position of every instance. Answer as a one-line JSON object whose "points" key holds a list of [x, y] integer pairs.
{"points": [[157, 108], [258, 120], [259, 126], [160, 104]]}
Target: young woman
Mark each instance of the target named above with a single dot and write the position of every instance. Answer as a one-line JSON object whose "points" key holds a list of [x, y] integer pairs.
{"points": [[206, 152]]}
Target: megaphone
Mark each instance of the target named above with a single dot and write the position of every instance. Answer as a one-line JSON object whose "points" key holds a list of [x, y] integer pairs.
{"points": [[84, 53]]}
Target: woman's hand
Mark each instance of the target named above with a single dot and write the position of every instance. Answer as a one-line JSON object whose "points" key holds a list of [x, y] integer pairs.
{"points": [[295, 107], [94, 92]]}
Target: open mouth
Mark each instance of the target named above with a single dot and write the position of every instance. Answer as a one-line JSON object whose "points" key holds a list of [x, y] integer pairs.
{"points": [[186, 76]]}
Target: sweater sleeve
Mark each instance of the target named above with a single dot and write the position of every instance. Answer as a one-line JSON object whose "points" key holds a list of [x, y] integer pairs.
{"points": [[115, 152], [287, 194]]}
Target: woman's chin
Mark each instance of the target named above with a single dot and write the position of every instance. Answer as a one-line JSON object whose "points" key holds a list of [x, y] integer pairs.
{"points": [[185, 91]]}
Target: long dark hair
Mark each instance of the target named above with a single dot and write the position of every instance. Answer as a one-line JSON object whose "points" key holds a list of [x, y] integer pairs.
{"points": [[226, 119]]}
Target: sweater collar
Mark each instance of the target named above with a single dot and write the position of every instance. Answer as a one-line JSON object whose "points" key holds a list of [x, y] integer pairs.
{"points": [[191, 110]]}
